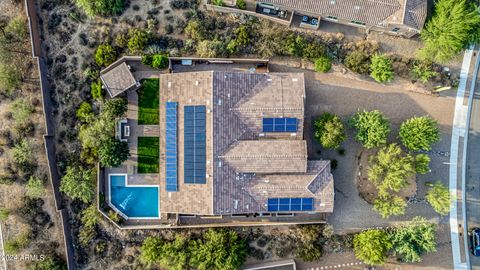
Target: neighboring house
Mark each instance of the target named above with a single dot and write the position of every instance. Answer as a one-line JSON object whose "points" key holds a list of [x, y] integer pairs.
{"points": [[397, 17], [232, 143]]}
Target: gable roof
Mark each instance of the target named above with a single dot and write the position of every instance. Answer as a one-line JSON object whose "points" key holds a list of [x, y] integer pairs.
{"points": [[373, 12], [268, 156]]}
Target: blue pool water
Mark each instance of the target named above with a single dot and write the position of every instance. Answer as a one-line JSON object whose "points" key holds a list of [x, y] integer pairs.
{"points": [[134, 202]]}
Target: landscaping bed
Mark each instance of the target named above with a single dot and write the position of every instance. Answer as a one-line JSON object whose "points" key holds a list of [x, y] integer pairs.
{"points": [[148, 155], [148, 102]]}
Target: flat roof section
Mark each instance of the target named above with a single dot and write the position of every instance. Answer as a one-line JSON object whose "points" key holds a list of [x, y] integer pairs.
{"points": [[118, 78]]}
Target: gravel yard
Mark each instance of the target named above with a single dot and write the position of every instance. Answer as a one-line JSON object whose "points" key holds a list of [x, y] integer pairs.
{"points": [[344, 95]]}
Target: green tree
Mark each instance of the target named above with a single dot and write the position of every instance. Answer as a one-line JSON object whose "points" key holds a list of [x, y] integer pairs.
{"points": [[241, 4], [439, 198], [160, 61], [329, 130], [218, 249], [96, 90], [34, 188], [48, 264], [175, 254], [412, 240], [419, 133], [115, 107], [294, 44], [77, 183], [100, 7], [358, 61], [389, 205], [105, 55], [422, 162], [113, 152], [309, 247], [390, 169], [151, 250], [454, 25], [313, 50], [381, 69], [85, 112], [372, 128], [323, 64], [137, 41], [372, 246], [195, 30]]}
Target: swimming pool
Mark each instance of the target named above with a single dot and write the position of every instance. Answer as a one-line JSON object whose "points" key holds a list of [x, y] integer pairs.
{"points": [[133, 201]]}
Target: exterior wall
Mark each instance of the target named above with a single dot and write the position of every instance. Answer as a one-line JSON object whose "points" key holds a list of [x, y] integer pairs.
{"points": [[211, 7]]}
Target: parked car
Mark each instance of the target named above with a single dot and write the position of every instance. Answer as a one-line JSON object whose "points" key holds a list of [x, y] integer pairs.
{"points": [[475, 241]]}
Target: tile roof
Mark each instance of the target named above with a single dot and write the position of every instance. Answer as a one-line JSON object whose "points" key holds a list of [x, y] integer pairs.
{"points": [[118, 78], [373, 12], [268, 156]]}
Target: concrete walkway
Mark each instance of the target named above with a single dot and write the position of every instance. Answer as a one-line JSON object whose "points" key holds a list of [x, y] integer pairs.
{"points": [[458, 133]]}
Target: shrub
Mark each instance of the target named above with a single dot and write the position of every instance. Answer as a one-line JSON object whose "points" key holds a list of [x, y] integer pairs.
{"points": [[4, 213], [329, 130], [323, 64], [16, 28], [358, 61], [423, 71], [35, 188], [309, 247], [195, 30], [294, 45], [160, 61], [412, 240], [372, 128], [389, 205], [439, 198], [147, 60], [10, 78], [77, 183], [241, 4], [372, 246], [381, 69], [151, 250], [48, 264], [100, 7], [23, 154], [116, 107], [14, 246], [21, 111], [97, 90], [419, 133], [137, 41], [313, 50], [209, 48], [422, 162], [218, 2], [85, 112], [105, 55], [113, 153]]}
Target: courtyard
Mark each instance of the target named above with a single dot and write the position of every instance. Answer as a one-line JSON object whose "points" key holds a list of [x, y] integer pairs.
{"points": [[333, 92]]}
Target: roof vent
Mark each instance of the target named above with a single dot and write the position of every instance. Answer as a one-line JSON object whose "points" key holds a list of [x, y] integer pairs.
{"points": [[190, 100], [332, 2], [209, 111], [357, 7], [235, 204], [294, 80], [197, 82], [267, 181], [169, 84], [220, 102], [269, 79], [220, 164]]}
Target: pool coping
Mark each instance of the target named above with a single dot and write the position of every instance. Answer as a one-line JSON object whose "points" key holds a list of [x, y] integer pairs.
{"points": [[129, 185]]}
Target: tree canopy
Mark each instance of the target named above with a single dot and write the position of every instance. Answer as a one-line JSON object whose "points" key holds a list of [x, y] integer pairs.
{"points": [[323, 64], [412, 240], [113, 152], [419, 133], [372, 128], [455, 25], [439, 198], [218, 250], [372, 246], [358, 61], [329, 130], [77, 183]]}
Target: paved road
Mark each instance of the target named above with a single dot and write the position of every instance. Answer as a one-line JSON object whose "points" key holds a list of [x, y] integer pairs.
{"points": [[473, 168]]}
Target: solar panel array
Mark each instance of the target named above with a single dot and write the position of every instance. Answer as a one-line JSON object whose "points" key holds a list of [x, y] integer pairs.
{"points": [[195, 144], [289, 204], [279, 124], [171, 146]]}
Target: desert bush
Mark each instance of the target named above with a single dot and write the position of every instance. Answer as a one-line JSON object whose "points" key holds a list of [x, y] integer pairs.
{"points": [[423, 71], [323, 64], [14, 246], [96, 90], [195, 30], [49, 264], [439, 198], [10, 78], [23, 156], [85, 112], [241, 4], [419, 133], [34, 188], [4, 213], [105, 55], [329, 130], [100, 7], [137, 41], [218, 3], [358, 62], [381, 69], [210, 48], [21, 111], [313, 50]]}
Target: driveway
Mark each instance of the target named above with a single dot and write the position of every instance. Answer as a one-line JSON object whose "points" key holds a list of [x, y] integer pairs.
{"points": [[344, 95]]}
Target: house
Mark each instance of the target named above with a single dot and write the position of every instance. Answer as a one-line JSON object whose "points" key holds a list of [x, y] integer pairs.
{"points": [[396, 17], [230, 143]]}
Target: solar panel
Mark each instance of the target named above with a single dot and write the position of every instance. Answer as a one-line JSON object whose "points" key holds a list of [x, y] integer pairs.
{"points": [[195, 145], [279, 124], [171, 174], [289, 204]]}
